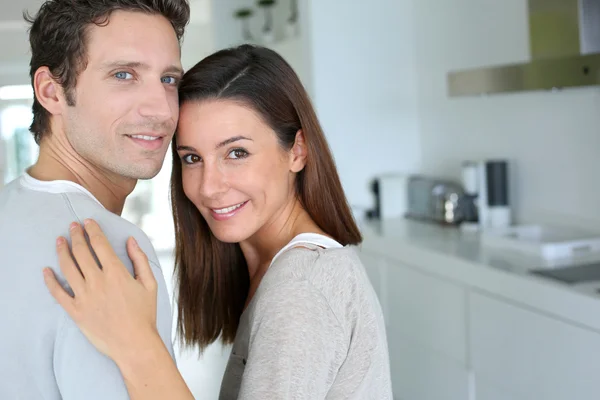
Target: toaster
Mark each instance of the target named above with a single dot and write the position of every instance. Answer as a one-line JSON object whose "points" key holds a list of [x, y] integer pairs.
{"points": [[435, 200]]}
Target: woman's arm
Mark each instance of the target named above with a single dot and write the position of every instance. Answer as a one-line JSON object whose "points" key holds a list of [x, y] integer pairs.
{"points": [[117, 312], [151, 373], [296, 345]]}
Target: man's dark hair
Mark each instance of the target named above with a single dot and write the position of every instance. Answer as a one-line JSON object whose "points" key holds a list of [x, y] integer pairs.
{"points": [[58, 39]]}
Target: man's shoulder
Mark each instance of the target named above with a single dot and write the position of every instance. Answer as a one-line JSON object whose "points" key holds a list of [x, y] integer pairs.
{"points": [[116, 228], [54, 211]]}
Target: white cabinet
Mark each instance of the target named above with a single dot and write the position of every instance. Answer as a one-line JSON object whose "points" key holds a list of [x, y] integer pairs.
{"points": [[376, 268], [426, 328], [452, 338], [486, 390], [518, 353], [418, 373], [427, 310], [427, 335]]}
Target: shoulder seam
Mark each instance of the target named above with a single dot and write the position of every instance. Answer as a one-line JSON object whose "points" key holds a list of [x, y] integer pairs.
{"points": [[70, 207], [317, 290]]}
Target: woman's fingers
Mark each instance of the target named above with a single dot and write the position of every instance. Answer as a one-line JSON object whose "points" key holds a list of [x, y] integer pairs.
{"points": [[82, 253], [59, 294], [141, 266], [68, 267], [110, 307], [104, 251]]}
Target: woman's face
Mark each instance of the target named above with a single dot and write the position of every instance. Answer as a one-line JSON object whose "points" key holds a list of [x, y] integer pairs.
{"points": [[233, 168]]}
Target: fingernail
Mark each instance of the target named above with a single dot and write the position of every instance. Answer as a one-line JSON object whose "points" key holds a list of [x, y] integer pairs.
{"points": [[86, 222], [74, 225], [60, 241], [135, 243], [47, 273]]}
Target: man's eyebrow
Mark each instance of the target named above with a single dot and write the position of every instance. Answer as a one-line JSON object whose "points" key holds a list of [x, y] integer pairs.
{"points": [[172, 69], [124, 64]]}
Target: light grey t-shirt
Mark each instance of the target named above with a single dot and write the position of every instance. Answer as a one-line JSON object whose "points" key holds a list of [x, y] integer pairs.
{"points": [[43, 354], [313, 330]]}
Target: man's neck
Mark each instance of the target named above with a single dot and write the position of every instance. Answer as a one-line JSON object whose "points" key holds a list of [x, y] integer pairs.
{"points": [[56, 162]]}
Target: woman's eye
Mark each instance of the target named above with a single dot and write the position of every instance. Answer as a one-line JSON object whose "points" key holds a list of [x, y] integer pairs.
{"points": [[123, 75], [238, 153], [190, 159]]}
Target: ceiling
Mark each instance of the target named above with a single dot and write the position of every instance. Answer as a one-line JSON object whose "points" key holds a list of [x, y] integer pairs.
{"points": [[14, 44]]}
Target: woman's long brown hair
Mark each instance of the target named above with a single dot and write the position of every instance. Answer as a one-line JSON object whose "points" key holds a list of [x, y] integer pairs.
{"points": [[212, 276]]}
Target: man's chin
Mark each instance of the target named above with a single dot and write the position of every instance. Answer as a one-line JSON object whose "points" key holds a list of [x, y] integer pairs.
{"points": [[140, 171]]}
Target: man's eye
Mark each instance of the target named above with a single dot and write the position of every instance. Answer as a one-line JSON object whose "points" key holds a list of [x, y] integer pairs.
{"points": [[169, 80], [123, 75]]}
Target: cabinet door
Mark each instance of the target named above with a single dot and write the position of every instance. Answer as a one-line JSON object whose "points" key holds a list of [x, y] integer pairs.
{"points": [[421, 374], [426, 330], [376, 268], [486, 390], [530, 355], [427, 310], [426, 335]]}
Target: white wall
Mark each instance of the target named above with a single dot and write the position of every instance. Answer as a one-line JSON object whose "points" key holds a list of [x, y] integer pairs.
{"points": [[17, 75], [197, 44], [551, 137], [365, 87], [227, 32], [15, 55]]}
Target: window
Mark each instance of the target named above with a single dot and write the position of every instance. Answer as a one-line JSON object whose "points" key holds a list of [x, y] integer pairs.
{"points": [[18, 150]]}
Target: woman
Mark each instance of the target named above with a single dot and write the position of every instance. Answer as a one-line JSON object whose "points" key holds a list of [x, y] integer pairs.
{"points": [[263, 256]]}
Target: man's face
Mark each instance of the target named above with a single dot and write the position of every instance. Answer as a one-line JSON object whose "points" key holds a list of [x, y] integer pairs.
{"points": [[126, 105]]}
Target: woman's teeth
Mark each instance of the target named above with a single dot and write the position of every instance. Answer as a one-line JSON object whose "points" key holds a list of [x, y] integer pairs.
{"points": [[228, 209]]}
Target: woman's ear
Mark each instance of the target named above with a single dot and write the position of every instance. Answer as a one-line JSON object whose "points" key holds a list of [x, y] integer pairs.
{"points": [[298, 153], [47, 91]]}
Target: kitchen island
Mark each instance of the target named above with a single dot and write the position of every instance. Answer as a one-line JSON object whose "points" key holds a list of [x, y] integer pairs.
{"points": [[466, 321]]}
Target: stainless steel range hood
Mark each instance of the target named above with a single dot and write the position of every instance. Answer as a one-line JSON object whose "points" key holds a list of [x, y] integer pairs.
{"points": [[564, 39]]}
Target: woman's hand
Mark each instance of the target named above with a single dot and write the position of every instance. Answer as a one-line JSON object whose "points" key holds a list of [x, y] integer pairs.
{"points": [[117, 312], [114, 310]]}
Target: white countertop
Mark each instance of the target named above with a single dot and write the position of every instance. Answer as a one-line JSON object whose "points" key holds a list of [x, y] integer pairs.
{"points": [[459, 257]]}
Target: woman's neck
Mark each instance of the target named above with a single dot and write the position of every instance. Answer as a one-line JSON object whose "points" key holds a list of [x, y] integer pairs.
{"points": [[260, 249]]}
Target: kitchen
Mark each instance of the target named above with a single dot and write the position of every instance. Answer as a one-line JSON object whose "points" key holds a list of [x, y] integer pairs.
{"points": [[464, 321]]}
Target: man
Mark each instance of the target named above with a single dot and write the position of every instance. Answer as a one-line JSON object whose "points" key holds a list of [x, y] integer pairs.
{"points": [[105, 75]]}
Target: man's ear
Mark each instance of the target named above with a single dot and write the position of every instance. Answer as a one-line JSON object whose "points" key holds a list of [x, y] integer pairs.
{"points": [[48, 91], [298, 153]]}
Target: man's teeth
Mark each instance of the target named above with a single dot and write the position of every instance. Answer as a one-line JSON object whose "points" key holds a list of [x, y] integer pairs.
{"points": [[228, 209], [145, 137]]}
